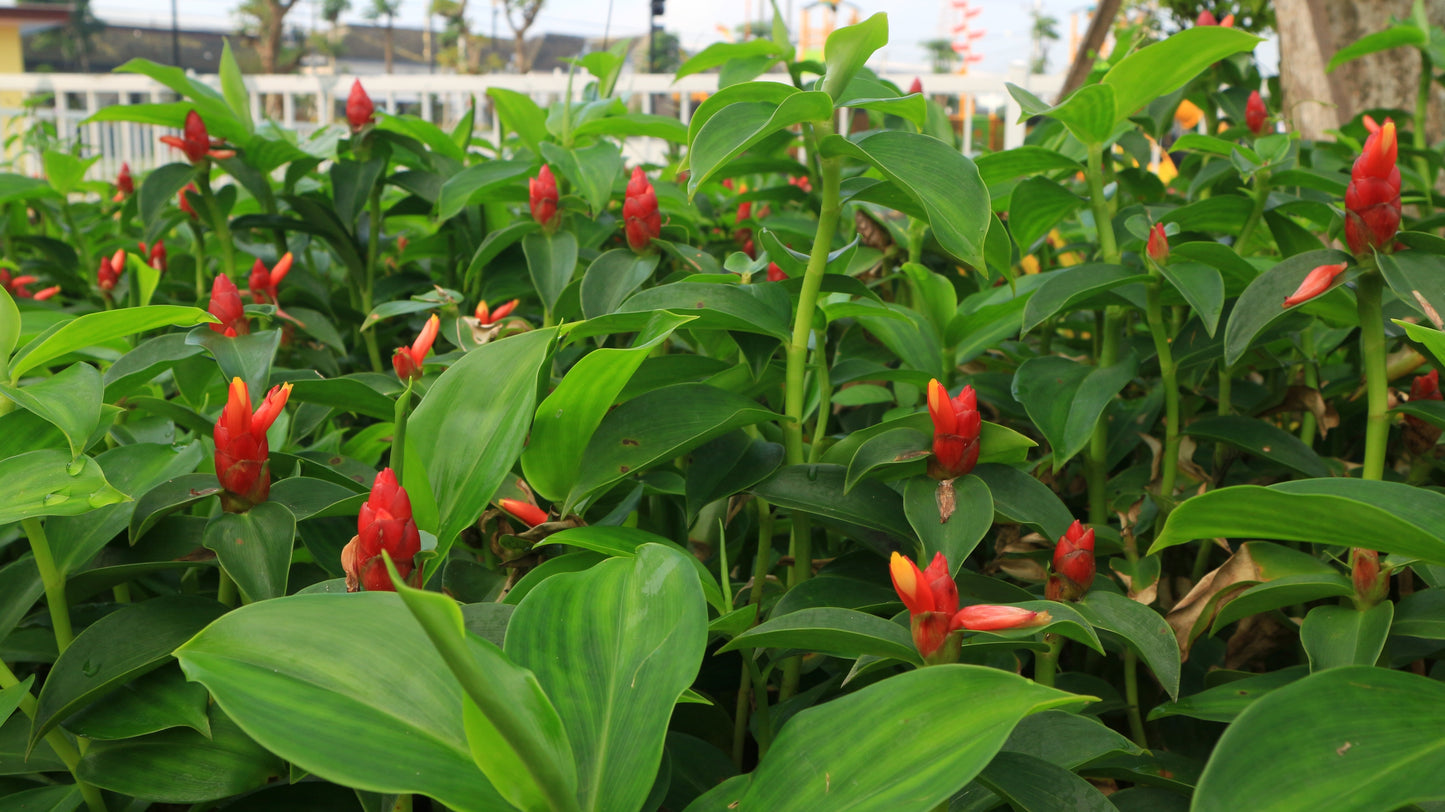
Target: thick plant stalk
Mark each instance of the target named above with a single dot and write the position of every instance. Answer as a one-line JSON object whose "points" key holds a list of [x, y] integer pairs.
{"points": [[1422, 105], [1047, 664], [198, 247], [54, 582], [1168, 372], [1097, 467], [1259, 193], [397, 457], [1372, 350], [761, 564], [219, 223], [1308, 425], [58, 742]]}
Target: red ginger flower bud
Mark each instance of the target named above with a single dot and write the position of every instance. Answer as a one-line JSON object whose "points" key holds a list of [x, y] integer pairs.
{"points": [[1316, 282], [528, 513], [956, 428], [543, 198], [1206, 17], [265, 283], [384, 527], [1371, 585], [1158, 247], [931, 597], [407, 360], [1372, 200], [745, 210], [1426, 387], [489, 317], [186, 204], [359, 109], [110, 270], [226, 305], [1073, 564], [917, 86], [241, 447], [196, 142], [124, 183], [640, 217], [158, 256], [1255, 113], [45, 293], [775, 273], [1418, 432]]}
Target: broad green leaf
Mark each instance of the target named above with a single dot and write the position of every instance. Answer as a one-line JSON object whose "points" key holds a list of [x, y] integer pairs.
{"points": [[65, 171], [593, 169], [611, 278], [20, 588], [351, 185], [468, 431], [521, 115], [1261, 303], [1066, 739], [898, 452], [233, 86], [1289, 590], [624, 542], [471, 184], [773, 93], [19, 187], [657, 426], [863, 753], [1037, 205], [1434, 340], [96, 328], [1412, 276], [119, 647], [996, 167], [1159, 69], [1065, 398], [1262, 439], [870, 508], [1141, 628], [208, 102], [1401, 34], [728, 465], [1088, 113], [513, 729], [1346, 739], [833, 631], [551, 260], [351, 394], [1066, 288], [158, 701], [1031, 784], [720, 53], [1224, 702], [567, 418], [495, 243], [70, 399], [1020, 498], [302, 677], [165, 498], [934, 175], [615, 684], [1419, 614], [848, 48], [1334, 636], [159, 188], [9, 329], [1202, 287], [738, 126], [10, 698], [49, 482], [254, 548], [956, 538]]}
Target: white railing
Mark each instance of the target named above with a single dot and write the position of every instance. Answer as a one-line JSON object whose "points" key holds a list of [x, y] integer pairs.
{"points": [[68, 100]]}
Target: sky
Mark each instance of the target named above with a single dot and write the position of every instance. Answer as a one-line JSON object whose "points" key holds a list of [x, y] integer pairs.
{"points": [[1007, 22]]}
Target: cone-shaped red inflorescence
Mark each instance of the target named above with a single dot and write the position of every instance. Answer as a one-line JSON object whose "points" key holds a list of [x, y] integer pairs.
{"points": [[241, 447], [1316, 282], [384, 527], [265, 282], [111, 268], [543, 198], [917, 86], [19, 286], [1372, 200], [124, 183], [359, 109], [640, 217], [775, 273], [157, 256], [526, 512], [488, 317], [227, 306], [956, 428], [1158, 246], [932, 600], [1371, 584], [1255, 113], [407, 360], [196, 142], [1424, 387], [1073, 564]]}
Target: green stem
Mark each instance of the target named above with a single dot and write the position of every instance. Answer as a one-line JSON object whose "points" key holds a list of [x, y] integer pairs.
{"points": [[761, 565], [1169, 469], [1372, 349], [219, 223], [373, 241], [226, 589], [1047, 665], [87, 262], [1131, 698], [1260, 193], [64, 749], [54, 581], [398, 431], [825, 395], [1096, 470], [1422, 104], [1308, 425], [198, 247], [830, 170]]}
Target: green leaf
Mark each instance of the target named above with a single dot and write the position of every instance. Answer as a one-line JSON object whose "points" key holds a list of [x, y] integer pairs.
{"points": [[848, 48], [1261, 303], [495, 243], [70, 399], [1066, 739], [158, 701], [514, 732], [937, 177], [119, 647], [1434, 340], [829, 630], [65, 171], [521, 115], [863, 751], [1224, 702], [568, 417], [616, 684], [97, 328], [1031, 784], [739, 126], [466, 187], [159, 189], [593, 169], [1142, 630], [165, 498], [1202, 286], [301, 676], [1088, 113], [773, 93], [611, 278], [956, 538], [351, 394], [1414, 277], [208, 102], [9, 328], [48, 482], [233, 86], [1069, 287], [1262, 439], [818, 489], [19, 187], [996, 167], [551, 260], [1393, 37], [351, 185], [1334, 636], [1020, 498], [656, 426], [901, 451], [10, 698], [1066, 399], [1037, 205], [1164, 67], [1387, 516], [254, 548], [720, 53], [248, 357], [1419, 614], [468, 431], [1346, 739], [1279, 592]]}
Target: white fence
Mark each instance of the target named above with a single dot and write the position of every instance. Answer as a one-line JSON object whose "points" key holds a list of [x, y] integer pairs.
{"points": [[307, 103]]}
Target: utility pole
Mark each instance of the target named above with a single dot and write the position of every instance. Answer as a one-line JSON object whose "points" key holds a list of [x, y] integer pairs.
{"points": [[175, 36], [657, 8]]}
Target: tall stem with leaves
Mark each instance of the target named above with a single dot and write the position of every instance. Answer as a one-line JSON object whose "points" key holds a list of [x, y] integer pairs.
{"points": [[1097, 468], [1372, 350]]}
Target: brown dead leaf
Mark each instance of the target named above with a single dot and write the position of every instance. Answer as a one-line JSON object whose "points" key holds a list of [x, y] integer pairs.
{"points": [[1187, 447], [1254, 639], [1024, 569], [947, 500], [1303, 398], [1193, 614]]}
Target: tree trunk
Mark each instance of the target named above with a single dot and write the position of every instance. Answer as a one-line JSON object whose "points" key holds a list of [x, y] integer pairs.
{"points": [[521, 38], [387, 48]]}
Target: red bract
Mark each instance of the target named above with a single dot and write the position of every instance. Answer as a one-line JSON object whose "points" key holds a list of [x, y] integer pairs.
{"points": [[110, 270], [640, 217], [359, 109], [226, 305], [186, 204], [384, 526], [19, 286], [158, 256], [264, 283], [956, 428], [1255, 113], [1073, 564], [124, 184], [931, 597], [1206, 17], [489, 317], [745, 210], [1371, 584], [1158, 247], [407, 360], [1424, 387], [543, 197], [241, 447], [196, 142], [776, 274], [528, 513], [1316, 282], [917, 86], [1372, 200]]}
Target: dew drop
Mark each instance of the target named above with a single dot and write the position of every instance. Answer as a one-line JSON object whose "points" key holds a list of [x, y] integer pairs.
{"points": [[55, 498]]}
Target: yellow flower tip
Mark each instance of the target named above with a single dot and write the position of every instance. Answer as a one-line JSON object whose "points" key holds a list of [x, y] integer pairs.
{"points": [[905, 574]]}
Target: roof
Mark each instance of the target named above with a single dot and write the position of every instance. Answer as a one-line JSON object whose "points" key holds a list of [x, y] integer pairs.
{"points": [[34, 15]]}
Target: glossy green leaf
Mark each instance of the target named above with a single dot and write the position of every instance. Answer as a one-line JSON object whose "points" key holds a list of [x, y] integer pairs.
{"points": [[818, 489], [1289, 590], [830, 630], [728, 465], [1202, 287], [1065, 398], [1033, 785], [1066, 739], [1414, 277], [847, 48], [472, 184], [720, 53], [1164, 67], [615, 684], [20, 588], [160, 700], [956, 538], [254, 548], [1020, 498], [901, 451], [248, 357], [1224, 702], [159, 189], [521, 115], [301, 676], [1261, 303], [1346, 739], [116, 649], [70, 399], [1401, 34], [307, 497], [741, 125], [551, 260], [1419, 614], [996, 167], [593, 169], [96, 328], [1141, 628], [568, 417], [611, 278], [1262, 439], [65, 171], [165, 498], [9, 327], [750, 308], [863, 752], [1088, 113], [495, 243], [773, 93], [1037, 205], [49, 483], [1335, 636], [1066, 288]]}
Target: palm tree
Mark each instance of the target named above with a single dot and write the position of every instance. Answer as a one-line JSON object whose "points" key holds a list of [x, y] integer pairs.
{"points": [[1045, 30], [388, 9]]}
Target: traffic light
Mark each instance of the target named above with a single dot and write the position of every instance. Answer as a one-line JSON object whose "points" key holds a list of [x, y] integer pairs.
{"points": [[658, 6]]}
